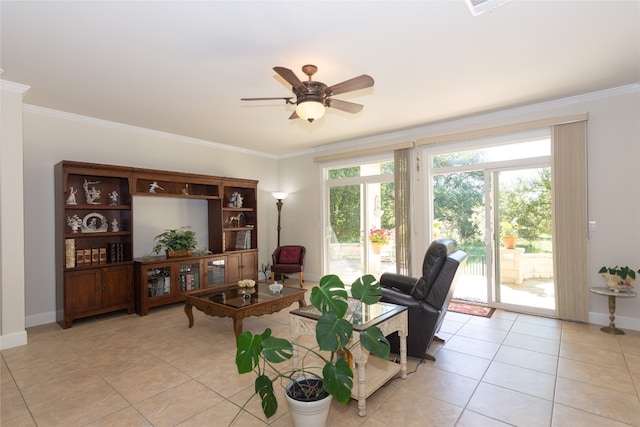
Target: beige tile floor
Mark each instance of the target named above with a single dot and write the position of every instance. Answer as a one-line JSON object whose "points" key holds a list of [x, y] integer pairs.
{"points": [[511, 369]]}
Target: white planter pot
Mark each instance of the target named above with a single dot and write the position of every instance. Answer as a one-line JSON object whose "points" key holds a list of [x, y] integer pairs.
{"points": [[308, 414], [616, 284]]}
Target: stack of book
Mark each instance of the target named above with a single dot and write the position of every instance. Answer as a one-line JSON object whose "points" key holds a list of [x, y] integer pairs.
{"points": [[116, 252], [243, 239], [70, 253]]}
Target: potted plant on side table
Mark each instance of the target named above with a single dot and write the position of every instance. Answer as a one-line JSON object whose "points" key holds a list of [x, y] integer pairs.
{"points": [[619, 278], [261, 353], [176, 242]]}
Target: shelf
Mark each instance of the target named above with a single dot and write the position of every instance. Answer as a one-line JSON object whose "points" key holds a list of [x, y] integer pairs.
{"points": [[178, 196], [89, 266], [167, 184], [97, 234], [378, 372], [238, 209], [97, 207]]}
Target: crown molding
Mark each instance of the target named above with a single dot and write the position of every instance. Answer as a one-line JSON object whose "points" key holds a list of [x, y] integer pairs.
{"points": [[13, 87], [139, 130], [435, 128]]}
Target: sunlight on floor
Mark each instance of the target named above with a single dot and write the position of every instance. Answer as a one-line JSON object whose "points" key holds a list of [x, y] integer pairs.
{"points": [[531, 293]]}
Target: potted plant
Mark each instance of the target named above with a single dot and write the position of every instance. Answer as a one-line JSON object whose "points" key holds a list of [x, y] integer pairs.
{"points": [[378, 238], [262, 353], [619, 278], [509, 232], [176, 242]]}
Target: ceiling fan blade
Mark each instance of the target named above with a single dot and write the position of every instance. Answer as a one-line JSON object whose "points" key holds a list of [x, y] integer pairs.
{"points": [[294, 116], [355, 83], [286, 99], [290, 77], [349, 107]]}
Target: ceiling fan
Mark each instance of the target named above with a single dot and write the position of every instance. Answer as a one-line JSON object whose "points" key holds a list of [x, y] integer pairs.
{"points": [[313, 97]]}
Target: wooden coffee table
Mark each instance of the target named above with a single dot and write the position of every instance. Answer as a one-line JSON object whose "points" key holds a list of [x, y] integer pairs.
{"points": [[238, 303]]}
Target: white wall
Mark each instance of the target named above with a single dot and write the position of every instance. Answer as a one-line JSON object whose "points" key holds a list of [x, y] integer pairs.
{"points": [[12, 255], [614, 185], [51, 136]]}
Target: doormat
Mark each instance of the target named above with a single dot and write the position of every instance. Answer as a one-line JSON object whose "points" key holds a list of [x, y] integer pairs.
{"points": [[472, 309]]}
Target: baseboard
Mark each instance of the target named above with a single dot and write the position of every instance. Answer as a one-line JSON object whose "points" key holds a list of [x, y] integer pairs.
{"points": [[40, 319], [622, 322], [13, 340]]}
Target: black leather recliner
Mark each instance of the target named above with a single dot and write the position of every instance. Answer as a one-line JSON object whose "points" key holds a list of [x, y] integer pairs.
{"points": [[427, 298]]}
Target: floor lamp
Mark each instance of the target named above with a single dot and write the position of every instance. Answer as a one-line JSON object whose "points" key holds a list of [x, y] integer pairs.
{"points": [[279, 196]]}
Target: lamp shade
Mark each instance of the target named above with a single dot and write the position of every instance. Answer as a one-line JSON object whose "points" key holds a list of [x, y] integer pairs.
{"points": [[279, 195], [310, 110]]}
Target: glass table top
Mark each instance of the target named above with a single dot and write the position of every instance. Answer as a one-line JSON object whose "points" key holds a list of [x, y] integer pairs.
{"points": [[359, 314], [237, 297]]}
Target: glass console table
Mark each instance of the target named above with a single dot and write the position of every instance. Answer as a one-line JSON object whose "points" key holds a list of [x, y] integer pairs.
{"points": [[370, 373]]}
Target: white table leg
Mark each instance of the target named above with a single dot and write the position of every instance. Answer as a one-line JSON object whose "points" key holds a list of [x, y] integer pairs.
{"points": [[362, 396], [294, 341], [403, 354]]}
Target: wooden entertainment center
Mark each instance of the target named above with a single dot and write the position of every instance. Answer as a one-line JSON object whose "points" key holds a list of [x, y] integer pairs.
{"points": [[95, 269]]}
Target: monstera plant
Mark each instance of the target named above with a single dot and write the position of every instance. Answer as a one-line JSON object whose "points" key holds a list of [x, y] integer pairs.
{"points": [[262, 353]]}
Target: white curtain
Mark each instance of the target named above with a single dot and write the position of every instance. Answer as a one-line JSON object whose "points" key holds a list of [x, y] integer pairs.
{"points": [[402, 178], [570, 221]]}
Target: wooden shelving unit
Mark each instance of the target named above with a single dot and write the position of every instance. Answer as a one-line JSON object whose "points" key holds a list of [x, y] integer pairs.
{"points": [[106, 283]]}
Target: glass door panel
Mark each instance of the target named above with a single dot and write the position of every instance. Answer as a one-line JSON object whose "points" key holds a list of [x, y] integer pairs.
{"points": [[158, 281], [189, 276], [215, 272], [345, 224], [523, 248], [460, 214], [379, 237]]}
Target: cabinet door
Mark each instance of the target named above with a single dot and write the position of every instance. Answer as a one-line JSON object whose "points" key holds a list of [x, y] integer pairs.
{"points": [[188, 275], [249, 265], [156, 281], [233, 268], [82, 291], [214, 271], [117, 286]]}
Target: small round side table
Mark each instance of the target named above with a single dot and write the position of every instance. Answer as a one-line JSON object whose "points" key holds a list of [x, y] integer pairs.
{"points": [[611, 329]]}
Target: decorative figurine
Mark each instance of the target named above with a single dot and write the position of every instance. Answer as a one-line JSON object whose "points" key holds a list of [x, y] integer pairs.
{"points": [[90, 223], [74, 222], [92, 193], [114, 198], [236, 218], [114, 226], [236, 200], [71, 200], [154, 185], [185, 190]]}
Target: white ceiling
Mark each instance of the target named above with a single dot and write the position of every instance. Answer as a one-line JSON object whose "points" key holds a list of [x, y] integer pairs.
{"points": [[182, 67]]}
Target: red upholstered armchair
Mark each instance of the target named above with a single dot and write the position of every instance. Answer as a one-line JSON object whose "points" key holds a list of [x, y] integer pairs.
{"points": [[287, 260]]}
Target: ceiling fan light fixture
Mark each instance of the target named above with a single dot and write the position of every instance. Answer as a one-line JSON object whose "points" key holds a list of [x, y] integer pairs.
{"points": [[310, 110]]}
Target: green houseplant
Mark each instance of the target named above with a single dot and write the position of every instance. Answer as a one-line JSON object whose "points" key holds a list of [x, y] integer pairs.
{"points": [[509, 232], [262, 353], [176, 242], [378, 235], [619, 278]]}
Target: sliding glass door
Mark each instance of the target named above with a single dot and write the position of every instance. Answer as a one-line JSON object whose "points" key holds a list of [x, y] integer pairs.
{"points": [[486, 196], [359, 224]]}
